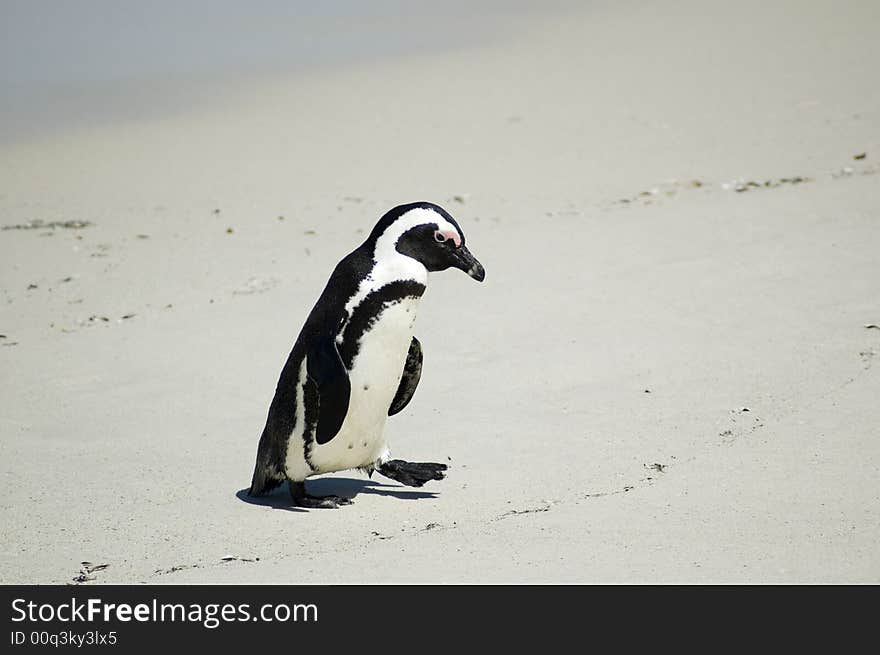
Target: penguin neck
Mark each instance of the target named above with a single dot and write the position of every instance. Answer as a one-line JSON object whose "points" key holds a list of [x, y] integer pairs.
{"points": [[388, 267]]}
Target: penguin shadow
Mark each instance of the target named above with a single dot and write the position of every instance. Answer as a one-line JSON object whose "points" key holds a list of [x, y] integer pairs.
{"points": [[349, 488]]}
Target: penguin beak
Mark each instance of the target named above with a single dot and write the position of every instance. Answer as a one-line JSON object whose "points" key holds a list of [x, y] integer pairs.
{"points": [[465, 261]]}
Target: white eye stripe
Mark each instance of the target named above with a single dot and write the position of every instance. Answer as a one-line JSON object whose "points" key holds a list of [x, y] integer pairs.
{"points": [[413, 218]]}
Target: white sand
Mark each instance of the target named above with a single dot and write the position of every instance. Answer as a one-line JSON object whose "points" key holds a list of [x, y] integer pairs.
{"points": [[126, 441]]}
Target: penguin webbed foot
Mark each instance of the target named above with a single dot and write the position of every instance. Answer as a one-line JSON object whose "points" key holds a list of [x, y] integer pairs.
{"points": [[308, 501], [412, 474]]}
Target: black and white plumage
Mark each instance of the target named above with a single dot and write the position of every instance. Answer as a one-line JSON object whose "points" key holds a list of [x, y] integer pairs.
{"points": [[356, 361]]}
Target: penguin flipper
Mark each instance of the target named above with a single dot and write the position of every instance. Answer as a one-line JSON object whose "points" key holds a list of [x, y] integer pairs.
{"points": [[412, 372], [325, 368]]}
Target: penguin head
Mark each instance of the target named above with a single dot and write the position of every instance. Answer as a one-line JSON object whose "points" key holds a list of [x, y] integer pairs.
{"points": [[427, 233]]}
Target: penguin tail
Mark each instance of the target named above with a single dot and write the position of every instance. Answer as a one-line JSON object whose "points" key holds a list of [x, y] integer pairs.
{"points": [[264, 480], [267, 475]]}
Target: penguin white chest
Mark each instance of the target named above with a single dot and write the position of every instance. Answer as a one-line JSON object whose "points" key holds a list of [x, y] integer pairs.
{"points": [[374, 376]]}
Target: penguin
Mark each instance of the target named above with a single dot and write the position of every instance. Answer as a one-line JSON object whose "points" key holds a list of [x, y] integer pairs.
{"points": [[356, 361]]}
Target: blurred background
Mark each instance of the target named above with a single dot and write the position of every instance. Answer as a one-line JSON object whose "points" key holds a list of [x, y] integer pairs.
{"points": [[82, 63]]}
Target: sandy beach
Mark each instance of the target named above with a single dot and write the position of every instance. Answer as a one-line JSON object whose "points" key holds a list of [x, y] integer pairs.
{"points": [[670, 375]]}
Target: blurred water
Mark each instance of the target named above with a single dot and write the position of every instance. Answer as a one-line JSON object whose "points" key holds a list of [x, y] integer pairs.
{"points": [[65, 63]]}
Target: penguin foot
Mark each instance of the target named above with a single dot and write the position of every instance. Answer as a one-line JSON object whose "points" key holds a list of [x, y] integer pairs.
{"points": [[303, 499], [412, 474]]}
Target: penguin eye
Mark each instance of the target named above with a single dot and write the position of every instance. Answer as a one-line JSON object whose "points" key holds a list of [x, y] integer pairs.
{"points": [[442, 235]]}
